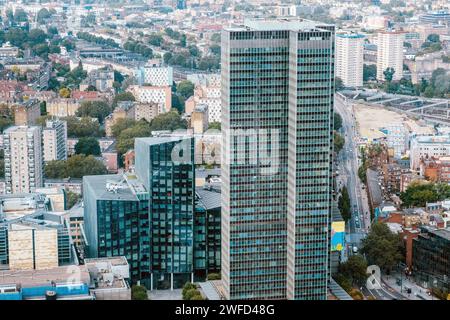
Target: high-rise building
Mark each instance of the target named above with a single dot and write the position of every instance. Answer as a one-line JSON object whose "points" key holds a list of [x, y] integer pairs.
{"points": [[350, 59], [171, 185], [23, 159], [277, 80], [390, 53], [154, 217], [54, 137], [155, 74]]}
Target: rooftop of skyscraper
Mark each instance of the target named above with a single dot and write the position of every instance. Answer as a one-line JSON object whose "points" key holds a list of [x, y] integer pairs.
{"points": [[158, 140], [110, 187], [294, 24]]}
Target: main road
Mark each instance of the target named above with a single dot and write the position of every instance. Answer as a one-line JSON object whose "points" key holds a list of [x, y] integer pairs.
{"points": [[348, 164]]}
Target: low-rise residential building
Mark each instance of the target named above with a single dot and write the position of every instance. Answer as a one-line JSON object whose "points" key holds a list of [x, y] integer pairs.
{"points": [[124, 109], [63, 107], [147, 111], [426, 147], [100, 79], [153, 94], [26, 113]]}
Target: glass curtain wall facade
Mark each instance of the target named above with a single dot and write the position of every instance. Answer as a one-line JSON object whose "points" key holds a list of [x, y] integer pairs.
{"points": [[277, 98], [171, 208], [206, 241], [431, 258]]}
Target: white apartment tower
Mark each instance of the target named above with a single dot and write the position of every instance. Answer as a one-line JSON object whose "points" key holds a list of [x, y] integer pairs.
{"points": [[350, 59], [390, 53], [54, 138], [155, 74], [23, 159]]}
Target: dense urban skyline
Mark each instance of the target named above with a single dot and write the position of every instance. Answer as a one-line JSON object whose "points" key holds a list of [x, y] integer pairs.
{"points": [[225, 150]]}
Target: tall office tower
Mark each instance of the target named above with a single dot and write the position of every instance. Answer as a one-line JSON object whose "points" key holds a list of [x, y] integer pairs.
{"points": [[169, 179], [390, 53], [277, 97], [23, 159], [350, 59], [54, 137]]}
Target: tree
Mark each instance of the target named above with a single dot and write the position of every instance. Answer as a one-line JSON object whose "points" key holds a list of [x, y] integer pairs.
{"points": [[36, 36], [355, 269], [126, 138], [121, 125], [382, 247], [215, 49], [190, 293], [343, 281], [124, 96], [76, 166], [139, 293], [187, 286], [213, 276], [64, 93], [155, 40], [369, 72], [338, 84], [168, 121], [84, 127], [344, 204], [71, 199], [214, 125], [87, 146], [6, 117], [337, 121], [339, 142], [389, 74], [17, 37], [433, 38], [167, 57], [419, 193], [185, 88], [94, 109]]}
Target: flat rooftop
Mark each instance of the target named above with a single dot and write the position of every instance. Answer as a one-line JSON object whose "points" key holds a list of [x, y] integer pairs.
{"points": [[159, 140], [32, 278], [294, 24], [99, 183]]}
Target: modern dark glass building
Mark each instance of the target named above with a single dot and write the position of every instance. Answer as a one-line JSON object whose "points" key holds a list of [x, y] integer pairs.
{"points": [[431, 258], [207, 231], [153, 217], [277, 112], [166, 167], [116, 221]]}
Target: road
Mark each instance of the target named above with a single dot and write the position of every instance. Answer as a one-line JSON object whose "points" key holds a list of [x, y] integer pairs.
{"points": [[348, 164]]}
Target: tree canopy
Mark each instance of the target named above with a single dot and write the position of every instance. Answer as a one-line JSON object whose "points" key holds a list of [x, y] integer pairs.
{"points": [[355, 269], [84, 127], [185, 88], [382, 247], [75, 166], [344, 204], [94, 109], [418, 193], [87, 146]]}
